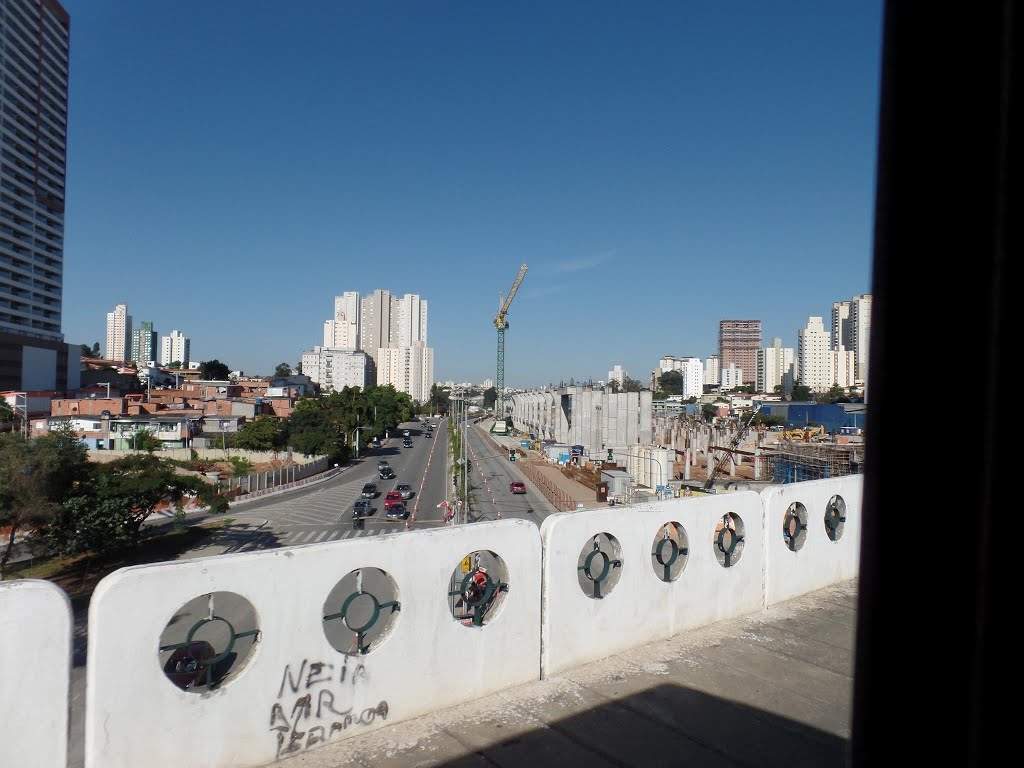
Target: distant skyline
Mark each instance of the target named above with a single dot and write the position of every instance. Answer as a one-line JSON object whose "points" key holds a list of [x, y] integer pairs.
{"points": [[659, 166]]}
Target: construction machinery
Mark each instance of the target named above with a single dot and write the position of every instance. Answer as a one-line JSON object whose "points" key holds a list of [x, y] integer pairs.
{"points": [[734, 443], [502, 325]]}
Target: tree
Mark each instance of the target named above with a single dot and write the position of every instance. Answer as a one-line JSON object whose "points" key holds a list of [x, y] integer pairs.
{"points": [[835, 394], [107, 513], [35, 478], [801, 392], [631, 385], [146, 440], [85, 350], [439, 400], [6, 412], [213, 370], [282, 370], [672, 382], [261, 434], [175, 364], [490, 397]]}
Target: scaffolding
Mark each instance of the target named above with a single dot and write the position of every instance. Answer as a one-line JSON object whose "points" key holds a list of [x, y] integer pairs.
{"points": [[795, 462]]}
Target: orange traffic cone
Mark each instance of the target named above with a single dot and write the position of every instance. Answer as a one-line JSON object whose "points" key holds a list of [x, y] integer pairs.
{"points": [[407, 525]]}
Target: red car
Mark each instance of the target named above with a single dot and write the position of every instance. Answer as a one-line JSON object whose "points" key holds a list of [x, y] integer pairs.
{"points": [[392, 498], [517, 486]]}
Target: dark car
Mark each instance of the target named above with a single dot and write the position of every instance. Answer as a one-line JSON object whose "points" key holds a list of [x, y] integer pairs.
{"points": [[369, 491], [405, 489], [407, 443], [187, 667], [398, 511], [427, 433], [362, 508], [517, 486]]}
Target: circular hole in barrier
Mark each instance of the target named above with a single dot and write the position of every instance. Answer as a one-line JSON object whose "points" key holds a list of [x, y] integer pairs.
{"points": [[599, 566], [835, 518], [794, 526], [361, 611], [728, 539], [478, 588], [207, 642], [670, 551]]}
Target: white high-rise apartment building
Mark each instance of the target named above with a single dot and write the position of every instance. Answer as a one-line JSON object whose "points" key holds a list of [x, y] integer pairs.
{"points": [[776, 366], [34, 44], [617, 374], [692, 370], [375, 319], [712, 371], [342, 331], [844, 365], [408, 369], [815, 363], [851, 331], [119, 334], [175, 347], [409, 323]]}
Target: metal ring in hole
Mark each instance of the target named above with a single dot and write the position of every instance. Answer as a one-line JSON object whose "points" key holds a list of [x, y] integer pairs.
{"points": [[735, 539], [791, 528], [604, 571], [833, 517], [361, 631]]}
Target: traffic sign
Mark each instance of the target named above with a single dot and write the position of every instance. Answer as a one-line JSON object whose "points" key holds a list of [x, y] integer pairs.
{"points": [[467, 564]]}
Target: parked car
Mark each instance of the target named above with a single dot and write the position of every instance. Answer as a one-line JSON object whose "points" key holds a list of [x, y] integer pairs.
{"points": [[362, 508], [187, 667], [517, 486], [405, 489], [392, 498], [369, 491], [398, 511]]}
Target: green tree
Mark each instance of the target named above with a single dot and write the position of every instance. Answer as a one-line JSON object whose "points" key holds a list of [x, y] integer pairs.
{"points": [[146, 440], [835, 394], [282, 370], [107, 513], [671, 382], [708, 412], [490, 397], [35, 478], [261, 434], [85, 350], [6, 412], [175, 364], [213, 370], [801, 392], [439, 400], [631, 385]]}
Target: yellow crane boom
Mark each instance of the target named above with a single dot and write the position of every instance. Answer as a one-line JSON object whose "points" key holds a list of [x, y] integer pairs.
{"points": [[502, 325]]}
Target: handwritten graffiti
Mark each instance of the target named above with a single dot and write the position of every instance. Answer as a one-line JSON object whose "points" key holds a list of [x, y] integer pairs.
{"points": [[322, 706]]}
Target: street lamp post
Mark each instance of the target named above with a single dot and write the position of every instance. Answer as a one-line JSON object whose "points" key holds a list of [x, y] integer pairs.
{"points": [[106, 384]]}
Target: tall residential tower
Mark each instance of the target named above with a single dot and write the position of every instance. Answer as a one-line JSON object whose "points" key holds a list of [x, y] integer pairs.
{"points": [[34, 42]]}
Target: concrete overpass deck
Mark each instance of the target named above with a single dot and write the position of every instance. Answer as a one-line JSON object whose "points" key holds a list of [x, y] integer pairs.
{"points": [[771, 689]]}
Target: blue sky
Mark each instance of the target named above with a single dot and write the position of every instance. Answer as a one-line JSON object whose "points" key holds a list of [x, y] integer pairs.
{"points": [[659, 166]]}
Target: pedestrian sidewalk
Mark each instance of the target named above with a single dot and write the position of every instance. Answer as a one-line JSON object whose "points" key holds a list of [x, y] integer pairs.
{"points": [[772, 690], [242, 535]]}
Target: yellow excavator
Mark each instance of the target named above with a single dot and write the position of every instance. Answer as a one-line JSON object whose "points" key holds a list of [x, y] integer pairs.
{"points": [[798, 435]]}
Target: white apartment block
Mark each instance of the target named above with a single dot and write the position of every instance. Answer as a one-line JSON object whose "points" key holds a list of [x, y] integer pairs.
{"points": [[335, 369], [409, 320], [844, 368], [669, 363], [776, 366], [692, 370], [343, 330], [407, 369], [732, 377], [119, 334], [815, 365], [617, 374], [375, 314], [488, 383], [177, 346], [851, 331], [712, 371]]}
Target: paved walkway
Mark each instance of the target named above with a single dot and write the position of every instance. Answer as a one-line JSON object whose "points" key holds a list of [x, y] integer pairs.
{"points": [[770, 690]]}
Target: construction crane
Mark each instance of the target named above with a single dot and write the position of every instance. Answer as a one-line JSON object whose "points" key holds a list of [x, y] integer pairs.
{"points": [[502, 325], [733, 445]]}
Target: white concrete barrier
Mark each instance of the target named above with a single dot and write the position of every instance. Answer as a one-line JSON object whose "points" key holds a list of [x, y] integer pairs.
{"points": [[577, 628], [819, 561], [35, 665], [295, 691]]}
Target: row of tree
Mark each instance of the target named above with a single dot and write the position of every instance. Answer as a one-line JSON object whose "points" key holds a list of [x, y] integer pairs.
{"points": [[70, 505]]}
